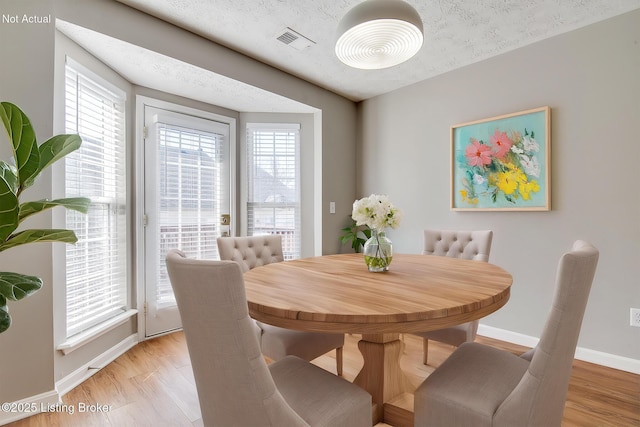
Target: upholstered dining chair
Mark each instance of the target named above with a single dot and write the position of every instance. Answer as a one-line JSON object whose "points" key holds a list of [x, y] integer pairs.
{"points": [[473, 245], [479, 385], [276, 343], [235, 386]]}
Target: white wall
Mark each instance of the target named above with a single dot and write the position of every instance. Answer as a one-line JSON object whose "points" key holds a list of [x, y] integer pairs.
{"points": [[590, 79]]}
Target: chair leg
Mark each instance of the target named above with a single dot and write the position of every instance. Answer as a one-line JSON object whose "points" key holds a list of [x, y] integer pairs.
{"points": [[339, 360], [425, 350]]}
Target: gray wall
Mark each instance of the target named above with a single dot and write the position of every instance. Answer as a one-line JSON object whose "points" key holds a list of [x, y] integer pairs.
{"points": [[26, 79], [338, 130], [29, 365], [590, 79]]}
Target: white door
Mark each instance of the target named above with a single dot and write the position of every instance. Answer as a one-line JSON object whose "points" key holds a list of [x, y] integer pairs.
{"points": [[187, 189]]}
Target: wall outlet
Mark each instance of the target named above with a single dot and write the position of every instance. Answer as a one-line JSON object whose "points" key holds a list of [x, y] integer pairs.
{"points": [[332, 207], [635, 317]]}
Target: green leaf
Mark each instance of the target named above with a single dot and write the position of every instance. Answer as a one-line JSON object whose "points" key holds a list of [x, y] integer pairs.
{"points": [[15, 286], [352, 233], [5, 319], [8, 210], [80, 204], [56, 148], [33, 236], [10, 174], [23, 140]]}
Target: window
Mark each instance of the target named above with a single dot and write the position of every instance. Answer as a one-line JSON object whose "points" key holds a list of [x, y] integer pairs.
{"points": [[187, 187], [273, 196], [96, 266]]}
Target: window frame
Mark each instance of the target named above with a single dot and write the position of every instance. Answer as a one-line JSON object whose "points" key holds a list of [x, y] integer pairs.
{"points": [[292, 249], [104, 321], [138, 204]]}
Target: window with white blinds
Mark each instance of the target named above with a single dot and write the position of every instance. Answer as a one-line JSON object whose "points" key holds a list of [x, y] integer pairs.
{"points": [[96, 266], [273, 177], [193, 193]]}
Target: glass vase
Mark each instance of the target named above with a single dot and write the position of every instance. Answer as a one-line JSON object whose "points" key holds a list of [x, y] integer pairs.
{"points": [[378, 252]]}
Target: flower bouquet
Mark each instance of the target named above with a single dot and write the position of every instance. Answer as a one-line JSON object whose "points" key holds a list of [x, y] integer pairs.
{"points": [[377, 213]]}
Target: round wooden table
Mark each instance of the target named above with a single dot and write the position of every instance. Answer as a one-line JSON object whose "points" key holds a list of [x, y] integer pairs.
{"points": [[336, 293]]}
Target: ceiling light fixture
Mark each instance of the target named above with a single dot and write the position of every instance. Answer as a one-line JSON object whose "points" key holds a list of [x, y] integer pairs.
{"points": [[379, 34]]}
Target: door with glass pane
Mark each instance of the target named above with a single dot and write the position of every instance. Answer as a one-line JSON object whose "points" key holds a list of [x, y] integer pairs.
{"points": [[187, 189]]}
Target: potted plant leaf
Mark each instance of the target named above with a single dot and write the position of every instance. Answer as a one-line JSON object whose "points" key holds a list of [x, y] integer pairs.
{"points": [[353, 235], [28, 160]]}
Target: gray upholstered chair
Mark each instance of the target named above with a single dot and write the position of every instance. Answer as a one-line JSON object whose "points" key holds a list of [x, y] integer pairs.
{"points": [[276, 343], [474, 245], [480, 385], [235, 385]]}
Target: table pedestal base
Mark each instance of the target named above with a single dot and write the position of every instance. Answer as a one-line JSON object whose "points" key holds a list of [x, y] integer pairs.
{"points": [[381, 375]]}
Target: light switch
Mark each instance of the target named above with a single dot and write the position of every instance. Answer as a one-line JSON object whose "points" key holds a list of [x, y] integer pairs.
{"points": [[332, 207]]}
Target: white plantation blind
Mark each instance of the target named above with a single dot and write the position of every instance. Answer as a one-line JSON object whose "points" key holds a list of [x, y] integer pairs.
{"points": [[193, 193], [273, 194], [96, 266]]}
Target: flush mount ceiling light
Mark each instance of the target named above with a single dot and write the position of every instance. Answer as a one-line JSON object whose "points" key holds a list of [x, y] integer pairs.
{"points": [[379, 34]]}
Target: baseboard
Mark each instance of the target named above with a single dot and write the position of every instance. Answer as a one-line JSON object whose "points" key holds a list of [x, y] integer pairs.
{"points": [[587, 355], [51, 400], [83, 373], [24, 408]]}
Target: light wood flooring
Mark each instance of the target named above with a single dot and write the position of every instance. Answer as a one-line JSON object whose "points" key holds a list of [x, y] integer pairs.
{"points": [[152, 385]]}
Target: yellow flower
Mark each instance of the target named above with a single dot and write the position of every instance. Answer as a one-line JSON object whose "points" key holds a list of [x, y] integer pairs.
{"points": [[506, 182], [527, 187], [464, 195]]}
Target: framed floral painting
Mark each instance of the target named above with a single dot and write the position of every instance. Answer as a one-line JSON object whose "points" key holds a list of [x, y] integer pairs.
{"points": [[502, 163]]}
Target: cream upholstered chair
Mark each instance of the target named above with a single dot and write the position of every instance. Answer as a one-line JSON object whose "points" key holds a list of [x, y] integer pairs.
{"points": [[479, 385], [474, 245], [276, 343], [235, 385]]}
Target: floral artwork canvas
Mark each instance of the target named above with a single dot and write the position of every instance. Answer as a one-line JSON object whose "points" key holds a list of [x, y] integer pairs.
{"points": [[502, 163]]}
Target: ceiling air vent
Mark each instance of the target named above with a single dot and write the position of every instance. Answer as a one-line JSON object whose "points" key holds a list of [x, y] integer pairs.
{"points": [[294, 39]]}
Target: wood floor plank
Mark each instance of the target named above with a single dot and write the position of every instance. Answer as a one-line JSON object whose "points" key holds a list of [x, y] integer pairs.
{"points": [[153, 385]]}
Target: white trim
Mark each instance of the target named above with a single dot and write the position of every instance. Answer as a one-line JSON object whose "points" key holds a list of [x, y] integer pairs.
{"points": [[78, 340], [318, 201], [54, 397], [95, 78], [36, 403], [83, 373], [139, 211], [587, 355], [268, 126]]}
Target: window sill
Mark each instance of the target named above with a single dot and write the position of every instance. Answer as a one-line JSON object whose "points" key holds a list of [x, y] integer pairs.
{"points": [[77, 341]]}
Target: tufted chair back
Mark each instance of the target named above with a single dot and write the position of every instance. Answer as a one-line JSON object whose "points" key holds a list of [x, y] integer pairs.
{"points": [[473, 245], [275, 342], [252, 251]]}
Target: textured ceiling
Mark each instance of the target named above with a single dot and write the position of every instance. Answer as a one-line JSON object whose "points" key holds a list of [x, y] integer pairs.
{"points": [[457, 33]]}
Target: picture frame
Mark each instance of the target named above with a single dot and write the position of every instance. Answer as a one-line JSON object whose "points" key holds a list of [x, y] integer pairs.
{"points": [[502, 163]]}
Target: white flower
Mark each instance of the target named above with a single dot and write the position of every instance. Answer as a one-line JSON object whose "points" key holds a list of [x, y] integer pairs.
{"points": [[376, 211], [516, 149], [478, 179], [531, 165], [530, 145]]}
